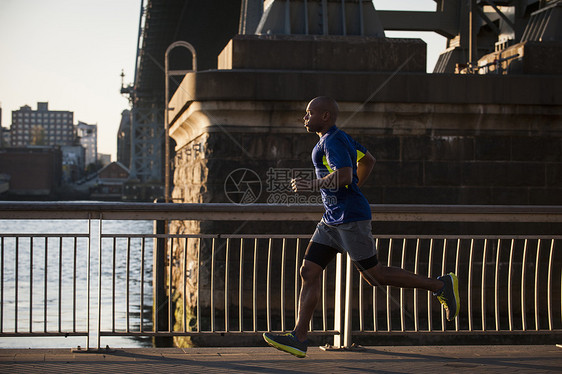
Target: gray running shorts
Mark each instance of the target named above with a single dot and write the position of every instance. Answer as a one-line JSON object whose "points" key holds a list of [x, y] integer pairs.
{"points": [[354, 238]]}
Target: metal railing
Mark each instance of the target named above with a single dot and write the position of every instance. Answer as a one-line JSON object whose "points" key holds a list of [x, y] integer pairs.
{"points": [[232, 284]]}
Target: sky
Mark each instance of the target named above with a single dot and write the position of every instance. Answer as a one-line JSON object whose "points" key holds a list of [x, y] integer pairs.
{"points": [[70, 53]]}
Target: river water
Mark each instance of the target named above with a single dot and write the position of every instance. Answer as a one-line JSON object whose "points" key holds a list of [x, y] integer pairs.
{"points": [[67, 291]]}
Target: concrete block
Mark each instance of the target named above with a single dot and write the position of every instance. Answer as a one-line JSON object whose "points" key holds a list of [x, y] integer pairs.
{"points": [[452, 148], [396, 173], [420, 195], [415, 147], [490, 148], [474, 195], [554, 174], [485, 174], [510, 195], [536, 148], [530, 174], [545, 196], [439, 173], [383, 148], [314, 52]]}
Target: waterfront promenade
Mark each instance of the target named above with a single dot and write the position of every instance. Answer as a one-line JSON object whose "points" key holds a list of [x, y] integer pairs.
{"points": [[380, 359]]}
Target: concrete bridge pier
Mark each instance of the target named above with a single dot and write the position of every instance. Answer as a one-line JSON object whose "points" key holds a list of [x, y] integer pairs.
{"points": [[438, 139]]}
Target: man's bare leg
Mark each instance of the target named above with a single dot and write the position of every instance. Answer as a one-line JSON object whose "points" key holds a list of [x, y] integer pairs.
{"points": [[381, 275], [308, 298], [295, 343]]}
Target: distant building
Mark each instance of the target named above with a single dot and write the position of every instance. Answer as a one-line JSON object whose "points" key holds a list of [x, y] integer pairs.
{"points": [[4, 137], [4, 133], [105, 159], [73, 164], [124, 139], [110, 182], [31, 171], [88, 135], [41, 127]]}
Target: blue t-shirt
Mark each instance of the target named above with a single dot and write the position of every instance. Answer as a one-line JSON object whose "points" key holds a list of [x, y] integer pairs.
{"points": [[336, 150]]}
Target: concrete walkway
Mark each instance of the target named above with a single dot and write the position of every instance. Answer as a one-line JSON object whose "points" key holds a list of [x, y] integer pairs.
{"points": [[410, 359]]}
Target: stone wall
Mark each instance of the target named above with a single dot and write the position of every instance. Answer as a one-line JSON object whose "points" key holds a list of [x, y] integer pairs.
{"points": [[426, 154]]}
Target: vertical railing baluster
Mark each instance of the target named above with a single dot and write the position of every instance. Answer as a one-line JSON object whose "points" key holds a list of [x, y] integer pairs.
{"points": [[416, 270], [255, 288], [88, 272], [2, 285], [375, 306], [402, 303], [100, 249], [549, 287], [361, 302], [443, 271], [212, 303], [241, 288], [497, 286], [45, 279], [31, 284], [537, 266], [297, 277], [75, 256], [523, 291], [469, 288], [338, 337], [170, 244], [457, 265], [141, 322], [184, 284], [324, 300], [509, 287], [348, 296], [60, 287], [128, 280], [282, 291], [113, 275], [198, 322], [483, 285], [16, 291], [429, 293], [226, 284], [388, 296], [268, 286]]}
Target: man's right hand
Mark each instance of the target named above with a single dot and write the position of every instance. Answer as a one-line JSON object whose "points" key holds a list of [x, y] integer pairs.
{"points": [[299, 185]]}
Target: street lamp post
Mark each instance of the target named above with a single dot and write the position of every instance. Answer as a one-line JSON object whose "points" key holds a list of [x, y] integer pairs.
{"points": [[167, 109]]}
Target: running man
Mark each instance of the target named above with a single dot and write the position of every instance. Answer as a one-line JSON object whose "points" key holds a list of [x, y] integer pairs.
{"points": [[342, 167]]}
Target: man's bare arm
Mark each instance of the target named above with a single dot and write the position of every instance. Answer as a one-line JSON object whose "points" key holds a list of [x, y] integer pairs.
{"points": [[364, 167]]}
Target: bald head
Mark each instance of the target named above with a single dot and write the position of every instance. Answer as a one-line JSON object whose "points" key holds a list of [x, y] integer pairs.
{"points": [[326, 104]]}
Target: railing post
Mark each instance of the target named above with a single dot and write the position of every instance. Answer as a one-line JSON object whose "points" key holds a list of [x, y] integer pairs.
{"points": [[337, 303], [159, 299], [99, 234], [348, 296], [88, 275], [343, 339]]}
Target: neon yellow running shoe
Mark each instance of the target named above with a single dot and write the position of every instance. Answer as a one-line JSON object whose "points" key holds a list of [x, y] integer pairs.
{"points": [[449, 295], [287, 343]]}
